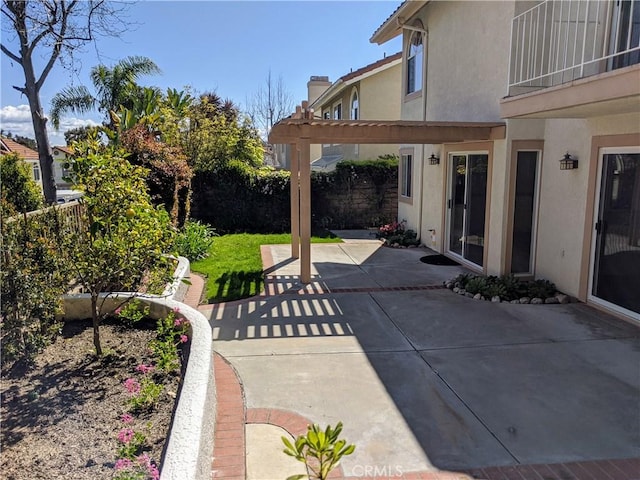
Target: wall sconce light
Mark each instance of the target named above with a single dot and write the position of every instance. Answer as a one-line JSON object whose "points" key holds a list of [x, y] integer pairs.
{"points": [[568, 162], [433, 160]]}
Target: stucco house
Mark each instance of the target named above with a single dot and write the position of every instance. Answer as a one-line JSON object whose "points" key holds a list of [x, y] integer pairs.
{"points": [[368, 93], [557, 196]]}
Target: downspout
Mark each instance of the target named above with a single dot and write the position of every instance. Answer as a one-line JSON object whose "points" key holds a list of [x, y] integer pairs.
{"points": [[425, 42]]}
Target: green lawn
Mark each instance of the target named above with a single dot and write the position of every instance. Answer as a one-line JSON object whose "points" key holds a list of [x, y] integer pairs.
{"points": [[234, 267]]}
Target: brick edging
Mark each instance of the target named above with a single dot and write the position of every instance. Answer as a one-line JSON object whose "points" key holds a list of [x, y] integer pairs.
{"points": [[230, 444]]}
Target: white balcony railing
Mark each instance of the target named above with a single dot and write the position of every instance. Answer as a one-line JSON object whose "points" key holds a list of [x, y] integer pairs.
{"points": [[559, 41]]}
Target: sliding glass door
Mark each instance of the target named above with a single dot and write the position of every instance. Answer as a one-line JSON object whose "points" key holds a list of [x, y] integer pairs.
{"points": [[467, 205]]}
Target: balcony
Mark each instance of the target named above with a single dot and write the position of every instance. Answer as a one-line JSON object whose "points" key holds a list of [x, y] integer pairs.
{"points": [[574, 58]]}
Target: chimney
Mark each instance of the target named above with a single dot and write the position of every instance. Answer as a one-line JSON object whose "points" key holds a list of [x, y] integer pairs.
{"points": [[316, 86]]}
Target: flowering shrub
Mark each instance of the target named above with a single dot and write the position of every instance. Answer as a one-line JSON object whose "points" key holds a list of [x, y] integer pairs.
{"points": [[132, 463], [396, 233], [171, 332]]}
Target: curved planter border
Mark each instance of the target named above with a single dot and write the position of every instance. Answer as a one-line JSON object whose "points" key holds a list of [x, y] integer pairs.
{"points": [[190, 442]]}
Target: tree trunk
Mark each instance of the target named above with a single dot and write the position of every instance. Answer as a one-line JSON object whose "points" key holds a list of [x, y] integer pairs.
{"points": [[96, 323], [40, 129]]}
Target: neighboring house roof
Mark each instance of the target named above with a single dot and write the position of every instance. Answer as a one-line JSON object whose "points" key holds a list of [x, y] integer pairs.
{"points": [[10, 146], [392, 26], [65, 149], [357, 75]]}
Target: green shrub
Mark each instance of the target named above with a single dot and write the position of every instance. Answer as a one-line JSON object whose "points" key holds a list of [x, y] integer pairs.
{"points": [[19, 192], [507, 287], [194, 240], [35, 273]]}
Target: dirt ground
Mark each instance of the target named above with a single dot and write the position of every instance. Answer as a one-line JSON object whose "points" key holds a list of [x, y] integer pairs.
{"points": [[61, 417]]}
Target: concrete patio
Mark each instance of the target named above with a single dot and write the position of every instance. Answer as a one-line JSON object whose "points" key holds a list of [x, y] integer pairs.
{"points": [[425, 381]]}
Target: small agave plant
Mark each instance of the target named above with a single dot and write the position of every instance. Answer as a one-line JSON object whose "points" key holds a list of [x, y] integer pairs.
{"points": [[320, 451]]}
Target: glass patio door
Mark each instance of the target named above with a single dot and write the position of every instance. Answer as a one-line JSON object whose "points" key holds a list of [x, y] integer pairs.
{"points": [[616, 259], [467, 204]]}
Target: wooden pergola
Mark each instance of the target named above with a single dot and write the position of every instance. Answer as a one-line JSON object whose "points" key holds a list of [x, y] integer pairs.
{"points": [[302, 129]]}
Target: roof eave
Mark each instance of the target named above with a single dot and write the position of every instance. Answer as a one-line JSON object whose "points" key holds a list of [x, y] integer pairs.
{"points": [[392, 27]]}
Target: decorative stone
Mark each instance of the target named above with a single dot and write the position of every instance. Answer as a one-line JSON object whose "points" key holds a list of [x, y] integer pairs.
{"points": [[562, 298], [551, 300], [525, 300], [461, 291], [395, 245], [468, 294], [515, 301], [495, 299], [477, 296], [537, 301], [456, 289], [412, 246], [449, 285]]}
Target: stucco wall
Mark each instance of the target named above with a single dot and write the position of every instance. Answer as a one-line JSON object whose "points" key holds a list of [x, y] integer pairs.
{"points": [[466, 71], [562, 214]]}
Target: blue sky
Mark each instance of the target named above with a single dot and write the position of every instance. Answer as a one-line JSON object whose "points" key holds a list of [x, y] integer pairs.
{"points": [[228, 47]]}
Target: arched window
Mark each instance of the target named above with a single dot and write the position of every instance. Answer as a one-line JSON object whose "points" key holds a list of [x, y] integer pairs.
{"points": [[415, 59], [355, 105]]}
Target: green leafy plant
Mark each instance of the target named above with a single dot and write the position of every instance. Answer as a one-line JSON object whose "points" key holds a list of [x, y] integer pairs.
{"points": [[145, 395], [19, 193], [170, 333], [320, 451], [541, 288], [132, 311], [194, 240]]}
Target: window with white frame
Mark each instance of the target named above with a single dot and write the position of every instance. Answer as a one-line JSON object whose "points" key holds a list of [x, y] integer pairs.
{"points": [[36, 172], [327, 115], [355, 106], [337, 111], [415, 59], [406, 166]]}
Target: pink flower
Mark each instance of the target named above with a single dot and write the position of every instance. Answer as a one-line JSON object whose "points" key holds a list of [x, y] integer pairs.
{"points": [[184, 339], [176, 310], [123, 464], [132, 385], [144, 368], [145, 462], [118, 311], [126, 418], [125, 435], [177, 322]]}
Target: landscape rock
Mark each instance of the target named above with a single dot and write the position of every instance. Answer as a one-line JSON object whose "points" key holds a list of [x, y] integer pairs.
{"points": [[562, 298], [468, 294], [524, 300], [551, 300], [456, 289], [537, 301], [495, 299], [461, 291], [477, 296]]}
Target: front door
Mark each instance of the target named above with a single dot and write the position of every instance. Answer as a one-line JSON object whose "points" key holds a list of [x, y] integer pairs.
{"points": [[467, 205], [615, 277]]}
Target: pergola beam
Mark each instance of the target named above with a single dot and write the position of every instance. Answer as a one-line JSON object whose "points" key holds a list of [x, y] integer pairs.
{"points": [[383, 132]]}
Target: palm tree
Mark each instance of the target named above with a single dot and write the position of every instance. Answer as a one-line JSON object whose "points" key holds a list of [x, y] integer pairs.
{"points": [[113, 87]]}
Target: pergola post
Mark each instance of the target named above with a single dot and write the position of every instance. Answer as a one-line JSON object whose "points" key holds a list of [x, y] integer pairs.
{"points": [[295, 201], [305, 210]]}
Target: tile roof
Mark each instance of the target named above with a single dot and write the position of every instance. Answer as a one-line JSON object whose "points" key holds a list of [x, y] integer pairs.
{"points": [[371, 66], [11, 146], [64, 149]]}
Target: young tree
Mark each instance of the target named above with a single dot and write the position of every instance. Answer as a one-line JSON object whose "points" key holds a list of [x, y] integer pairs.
{"points": [[51, 30], [270, 104], [19, 191], [127, 237]]}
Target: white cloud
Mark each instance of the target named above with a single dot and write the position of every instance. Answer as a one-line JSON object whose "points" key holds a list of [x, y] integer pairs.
{"points": [[17, 120]]}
